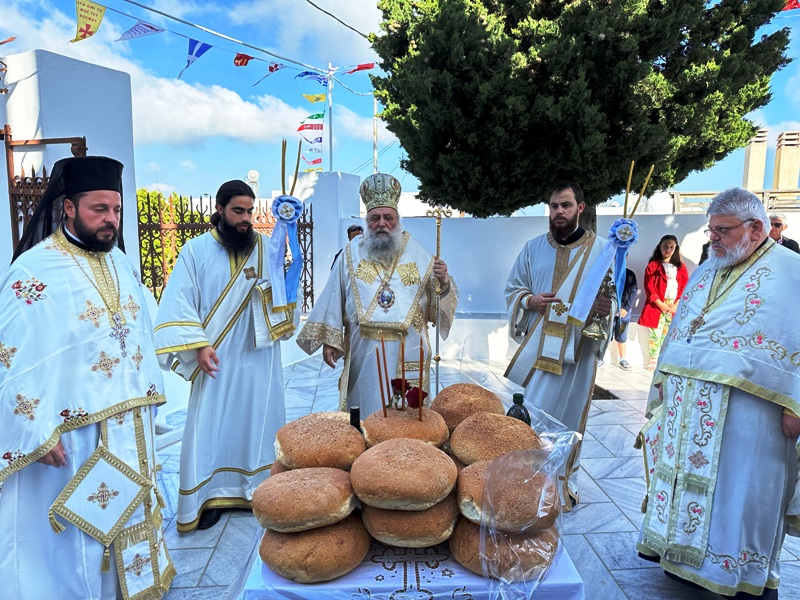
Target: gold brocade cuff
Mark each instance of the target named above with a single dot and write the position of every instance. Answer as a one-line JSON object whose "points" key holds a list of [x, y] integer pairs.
{"points": [[791, 413]]}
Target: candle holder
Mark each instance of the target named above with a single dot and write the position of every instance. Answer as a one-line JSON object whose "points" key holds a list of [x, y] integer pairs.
{"points": [[596, 329]]}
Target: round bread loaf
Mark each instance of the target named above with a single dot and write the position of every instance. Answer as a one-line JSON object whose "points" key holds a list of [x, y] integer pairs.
{"points": [[461, 400], [412, 528], [405, 424], [278, 467], [514, 558], [485, 436], [403, 474], [522, 500], [318, 554], [318, 440], [303, 499]]}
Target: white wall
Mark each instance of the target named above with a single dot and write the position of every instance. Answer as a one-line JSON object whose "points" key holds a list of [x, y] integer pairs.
{"points": [[52, 96]]}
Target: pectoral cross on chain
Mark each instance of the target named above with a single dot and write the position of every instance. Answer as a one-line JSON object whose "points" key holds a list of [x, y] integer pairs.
{"points": [[119, 332]]}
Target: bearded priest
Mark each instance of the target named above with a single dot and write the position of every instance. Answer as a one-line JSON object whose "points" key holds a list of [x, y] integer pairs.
{"points": [[382, 289], [80, 512], [224, 311]]}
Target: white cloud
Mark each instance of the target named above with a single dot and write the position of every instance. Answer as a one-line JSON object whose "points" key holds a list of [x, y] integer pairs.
{"points": [[348, 123], [153, 166], [188, 165], [304, 30], [160, 187]]}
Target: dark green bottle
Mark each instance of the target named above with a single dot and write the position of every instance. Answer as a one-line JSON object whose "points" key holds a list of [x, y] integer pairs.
{"points": [[518, 410]]}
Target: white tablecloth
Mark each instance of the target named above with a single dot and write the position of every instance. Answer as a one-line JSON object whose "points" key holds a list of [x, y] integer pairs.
{"points": [[406, 574]]}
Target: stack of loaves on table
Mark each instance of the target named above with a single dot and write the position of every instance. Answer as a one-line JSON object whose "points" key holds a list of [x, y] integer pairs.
{"points": [[411, 492]]}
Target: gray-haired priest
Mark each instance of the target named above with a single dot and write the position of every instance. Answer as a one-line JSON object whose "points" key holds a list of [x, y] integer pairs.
{"points": [[725, 426], [80, 515], [383, 285]]}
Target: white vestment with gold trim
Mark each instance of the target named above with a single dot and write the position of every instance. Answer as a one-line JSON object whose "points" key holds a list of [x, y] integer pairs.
{"points": [[77, 365], [721, 472], [555, 363], [228, 443], [363, 301]]}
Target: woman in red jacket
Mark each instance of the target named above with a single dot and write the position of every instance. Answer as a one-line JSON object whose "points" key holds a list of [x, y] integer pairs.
{"points": [[664, 280]]}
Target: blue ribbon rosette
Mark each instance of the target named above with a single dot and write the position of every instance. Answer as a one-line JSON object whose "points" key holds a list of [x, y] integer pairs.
{"points": [[623, 234], [286, 210]]}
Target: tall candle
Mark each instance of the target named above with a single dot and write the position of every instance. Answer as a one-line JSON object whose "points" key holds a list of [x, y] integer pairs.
{"points": [[403, 370], [380, 380], [421, 378], [386, 369]]}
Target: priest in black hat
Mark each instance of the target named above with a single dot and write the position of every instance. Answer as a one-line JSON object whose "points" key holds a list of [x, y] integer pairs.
{"points": [[80, 512]]}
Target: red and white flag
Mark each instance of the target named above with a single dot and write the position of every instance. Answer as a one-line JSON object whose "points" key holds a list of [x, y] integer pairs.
{"points": [[274, 66], [361, 67], [310, 126], [241, 60]]}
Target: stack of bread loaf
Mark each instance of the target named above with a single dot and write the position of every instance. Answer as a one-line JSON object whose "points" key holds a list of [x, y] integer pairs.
{"points": [[412, 493]]}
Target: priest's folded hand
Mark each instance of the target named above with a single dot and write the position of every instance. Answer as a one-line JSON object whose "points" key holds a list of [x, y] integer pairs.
{"points": [[791, 426], [57, 457]]}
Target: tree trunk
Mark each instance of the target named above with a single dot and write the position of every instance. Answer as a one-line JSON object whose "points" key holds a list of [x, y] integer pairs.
{"points": [[588, 218]]}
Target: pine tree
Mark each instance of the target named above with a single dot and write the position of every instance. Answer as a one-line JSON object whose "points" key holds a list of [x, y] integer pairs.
{"points": [[495, 100]]}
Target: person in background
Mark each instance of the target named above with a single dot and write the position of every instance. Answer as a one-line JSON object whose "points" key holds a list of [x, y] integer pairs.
{"points": [[622, 320], [777, 227], [664, 281], [352, 231]]}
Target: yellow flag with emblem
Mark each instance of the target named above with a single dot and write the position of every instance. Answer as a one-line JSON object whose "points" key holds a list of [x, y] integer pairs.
{"points": [[90, 15], [314, 97]]}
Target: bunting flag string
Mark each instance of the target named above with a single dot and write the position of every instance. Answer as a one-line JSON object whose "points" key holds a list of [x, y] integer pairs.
{"points": [[321, 79], [273, 66], [314, 98], [141, 29], [241, 60], [90, 15], [196, 50], [361, 67]]}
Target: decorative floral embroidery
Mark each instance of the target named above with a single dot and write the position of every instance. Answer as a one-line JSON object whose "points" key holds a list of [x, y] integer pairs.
{"points": [[409, 274], [93, 313], [30, 291], [670, 449], [662, 498], [70, 415], [26, 407], [13, 456], [103, 496], [137, 358], [138, 565], [694, 511], [698, 459], [447, 572], [366, 271], [730, 564], [106, 364], [6, 354], [250, 273], [120, 416]]}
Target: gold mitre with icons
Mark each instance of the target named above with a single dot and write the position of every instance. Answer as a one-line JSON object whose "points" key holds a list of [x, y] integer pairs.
{"points": [[380, 189]]}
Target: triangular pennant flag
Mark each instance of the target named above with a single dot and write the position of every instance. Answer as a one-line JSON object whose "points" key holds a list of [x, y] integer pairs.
{"points": [[316, 161], [141, 29], [241, 60], [791, 5], [361, 67], [313, 98], [316, 140], [196, 50], [275, 66], [7, 40], [321, 79], [313, 117], [90, 15], [310, 126]]}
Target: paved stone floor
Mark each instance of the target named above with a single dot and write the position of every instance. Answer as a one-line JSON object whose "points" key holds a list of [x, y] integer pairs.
{"points": [[599, 534]]}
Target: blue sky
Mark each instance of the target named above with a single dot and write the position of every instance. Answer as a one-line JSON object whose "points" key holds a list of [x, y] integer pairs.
{"points": [[214, 125]]}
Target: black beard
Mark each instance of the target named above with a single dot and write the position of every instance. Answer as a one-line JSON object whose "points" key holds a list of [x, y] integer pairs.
{"points": [[236, 241], [89, 237], [562, 233]]}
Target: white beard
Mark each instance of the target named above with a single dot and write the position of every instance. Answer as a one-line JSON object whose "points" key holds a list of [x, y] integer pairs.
{"points": [[731, 257], [382, 249]]}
